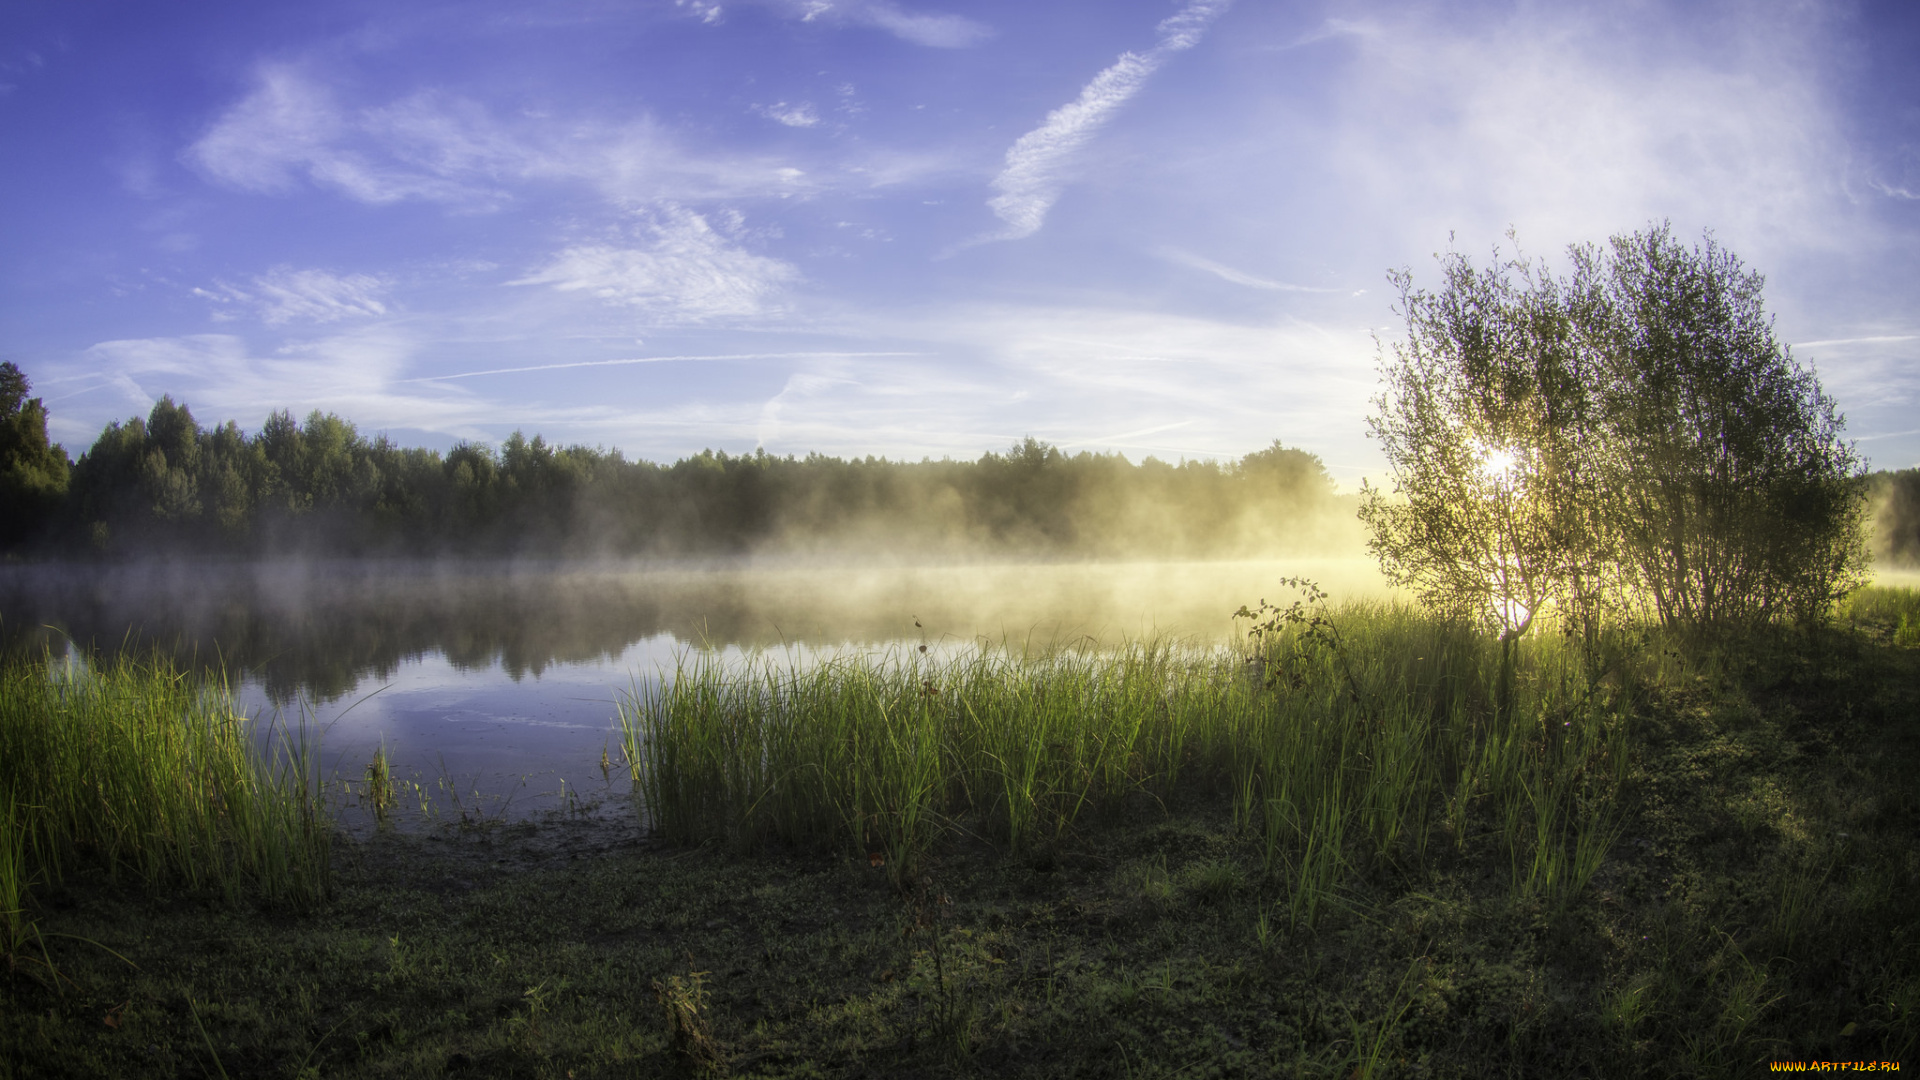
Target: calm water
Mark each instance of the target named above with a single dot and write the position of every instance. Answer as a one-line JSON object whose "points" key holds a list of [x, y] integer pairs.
{"points": [[498, 682]]}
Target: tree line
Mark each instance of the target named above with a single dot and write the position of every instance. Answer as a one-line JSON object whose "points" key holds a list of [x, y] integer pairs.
{"points": [[164, 484]]}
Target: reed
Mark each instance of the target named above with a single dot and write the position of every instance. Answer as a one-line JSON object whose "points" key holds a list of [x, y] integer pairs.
{"points": [[148, 774], [18, 930], [1350, 739]]}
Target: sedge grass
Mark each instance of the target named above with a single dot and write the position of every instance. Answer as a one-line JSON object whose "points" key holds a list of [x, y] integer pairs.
{"points": [[19, 932], [1347, 741], [148, 774]]}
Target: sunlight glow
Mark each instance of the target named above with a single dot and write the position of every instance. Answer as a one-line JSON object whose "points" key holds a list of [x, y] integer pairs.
{"points": [[1498, 463]]}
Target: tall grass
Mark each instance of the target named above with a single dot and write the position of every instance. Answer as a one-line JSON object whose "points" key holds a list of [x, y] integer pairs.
{"points": [[1363, 738], [148, 774], [16, 929], [1895, 610]]}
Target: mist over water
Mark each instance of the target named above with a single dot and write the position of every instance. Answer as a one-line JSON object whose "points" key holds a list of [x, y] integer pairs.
{"points": [[502, 678]]}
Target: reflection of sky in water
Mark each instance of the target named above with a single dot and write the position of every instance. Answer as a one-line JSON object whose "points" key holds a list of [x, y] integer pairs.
{"points": [[480, 729], [465, 730], [505, 679], [506, 682]]}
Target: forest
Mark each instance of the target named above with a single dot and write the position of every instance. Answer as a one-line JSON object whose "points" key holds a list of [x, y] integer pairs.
{"points": [[165, 484]]}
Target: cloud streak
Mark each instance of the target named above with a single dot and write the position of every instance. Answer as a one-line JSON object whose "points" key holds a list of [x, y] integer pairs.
{"points": [[801, 115], [290, 128], [934, 31], [1038, 164], [283, 295], [626, 360], [921, 28], [290, 131], [680, 272], [1237, 277], [1833, 342], [221, 377]]}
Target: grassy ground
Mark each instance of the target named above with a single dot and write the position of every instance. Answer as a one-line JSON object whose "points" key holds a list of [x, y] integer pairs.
{"points": [[1754, 903]]}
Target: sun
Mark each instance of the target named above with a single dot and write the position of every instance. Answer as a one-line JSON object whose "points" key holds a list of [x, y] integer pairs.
{"points": [[1498, 463]]}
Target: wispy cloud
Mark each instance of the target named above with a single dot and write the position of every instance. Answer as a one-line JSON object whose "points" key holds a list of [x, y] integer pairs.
{"points": [[1228, 273], [921, 28], [1038, 164], [221, 377], [1125, 440], [937, 31], [283, 295], [1868, 374], [289, 127], [1332, 29], [627, 360], [290, 130], [1835, 342], [1887, 435], [675, 268], [799, 116]]}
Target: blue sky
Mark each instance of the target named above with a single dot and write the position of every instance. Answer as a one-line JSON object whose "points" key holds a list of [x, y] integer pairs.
{"points": [[904, 227]]}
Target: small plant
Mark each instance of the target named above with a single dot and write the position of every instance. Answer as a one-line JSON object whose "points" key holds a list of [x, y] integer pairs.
{"points": [[213, 1052], [1370, 1040], [1629, 1005], [1213, 881], [953, 995], [380, 791], [1801, 896], [685, 1002], [539, 1001], [1154, 884], [1307, 630], [1263, 932]]}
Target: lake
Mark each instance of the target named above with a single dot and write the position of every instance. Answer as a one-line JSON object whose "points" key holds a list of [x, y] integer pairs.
{"points": [[493, 686]]}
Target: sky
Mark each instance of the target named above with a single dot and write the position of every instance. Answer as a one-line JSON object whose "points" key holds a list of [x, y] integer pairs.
{"points": [[908, 228]]}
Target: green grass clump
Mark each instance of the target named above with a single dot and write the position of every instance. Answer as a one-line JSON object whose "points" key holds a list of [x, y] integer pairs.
{"points": [[1893, 611], [147, 773], [1353, 740]]}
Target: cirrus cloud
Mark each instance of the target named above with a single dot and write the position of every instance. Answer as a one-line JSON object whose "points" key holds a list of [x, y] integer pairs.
{"points": [[284, 295], [1038, 162], [675, 268]]}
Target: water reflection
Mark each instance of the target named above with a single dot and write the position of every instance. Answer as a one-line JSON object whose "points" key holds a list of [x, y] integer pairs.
{"points": [[321, 629], [502, 677]]}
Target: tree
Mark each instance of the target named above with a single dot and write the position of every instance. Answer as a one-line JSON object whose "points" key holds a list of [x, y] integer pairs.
{"points": [[1631, 438], [1484, 422], [1734, 497], [33, 474]]}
